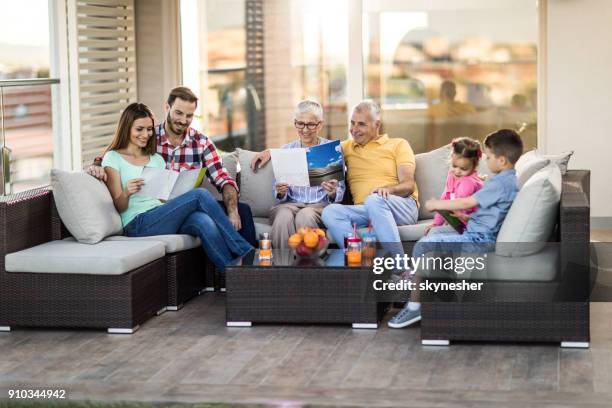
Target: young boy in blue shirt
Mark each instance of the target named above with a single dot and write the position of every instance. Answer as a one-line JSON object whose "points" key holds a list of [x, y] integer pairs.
{"points": [[502, 150]]}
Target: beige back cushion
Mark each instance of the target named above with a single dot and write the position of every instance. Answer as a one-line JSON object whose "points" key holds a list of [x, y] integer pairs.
{"points": [[85, 206], [528, 165], [430, 176], [560, 159], [230, 163], [532, 217], [255, 188]]}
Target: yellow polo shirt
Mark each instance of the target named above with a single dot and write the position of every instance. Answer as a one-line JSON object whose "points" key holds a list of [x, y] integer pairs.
{"points": [[375, 164]]}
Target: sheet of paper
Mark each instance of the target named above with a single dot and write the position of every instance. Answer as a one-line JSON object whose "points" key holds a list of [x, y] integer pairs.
{"points": [[187, 180], [290, 166], [158, 183]]}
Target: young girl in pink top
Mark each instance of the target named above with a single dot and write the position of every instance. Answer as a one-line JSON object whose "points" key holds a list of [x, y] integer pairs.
{"points": [[462, 180]]}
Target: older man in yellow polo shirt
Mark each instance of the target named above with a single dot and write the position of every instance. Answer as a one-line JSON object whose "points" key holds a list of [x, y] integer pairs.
{"points": [[381, 178]]}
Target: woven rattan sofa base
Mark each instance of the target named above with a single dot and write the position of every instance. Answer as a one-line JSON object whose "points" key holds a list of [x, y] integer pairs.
{"points": [[218, 279], [506, 322], [186, 276], [82, 300], [188, 272], [300, 295]]}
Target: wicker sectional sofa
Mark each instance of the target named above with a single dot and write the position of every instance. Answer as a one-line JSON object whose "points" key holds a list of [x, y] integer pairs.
{"points": [[520, 303], [116, 284], [545, 300]]}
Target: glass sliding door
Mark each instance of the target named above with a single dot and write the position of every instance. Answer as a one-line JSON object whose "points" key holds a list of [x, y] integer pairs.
{"points": [[452, 68], [214, 66], [440, 69]]}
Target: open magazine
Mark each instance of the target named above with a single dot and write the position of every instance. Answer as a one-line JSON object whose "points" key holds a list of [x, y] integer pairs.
{"points": [[308, 166], [452, 221], [166, 184]]}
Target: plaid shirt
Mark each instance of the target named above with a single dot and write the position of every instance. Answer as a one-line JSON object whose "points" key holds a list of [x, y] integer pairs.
{"points": [[197, 150]]}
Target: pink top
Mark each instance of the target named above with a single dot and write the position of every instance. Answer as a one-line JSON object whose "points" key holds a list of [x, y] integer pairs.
{"points": [[459, 187]]}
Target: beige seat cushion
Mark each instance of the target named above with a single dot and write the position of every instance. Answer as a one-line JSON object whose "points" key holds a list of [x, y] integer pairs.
{"points": [[542, 266], [69, 256], [173, 243], [413, 232], [85, 206], [407, 232]]}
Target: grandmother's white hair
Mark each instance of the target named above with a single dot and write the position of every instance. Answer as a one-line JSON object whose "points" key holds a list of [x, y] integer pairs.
{"points": [[369, 105], [309, 106]]}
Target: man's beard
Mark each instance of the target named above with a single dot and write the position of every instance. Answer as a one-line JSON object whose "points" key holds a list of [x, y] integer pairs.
{"points": [[173, 127]]}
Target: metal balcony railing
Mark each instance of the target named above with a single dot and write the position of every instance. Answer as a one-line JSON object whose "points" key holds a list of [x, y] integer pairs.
{"points": [[26, 133]]}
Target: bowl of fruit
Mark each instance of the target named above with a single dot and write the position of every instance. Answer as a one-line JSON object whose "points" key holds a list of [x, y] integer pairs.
{"points": [[309, 242]]}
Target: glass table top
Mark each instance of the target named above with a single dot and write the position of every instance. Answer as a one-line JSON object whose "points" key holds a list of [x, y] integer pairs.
{"points": [[333, 258]]}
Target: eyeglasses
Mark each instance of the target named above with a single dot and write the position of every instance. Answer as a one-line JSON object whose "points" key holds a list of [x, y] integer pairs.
{"points": [[302, 125]]}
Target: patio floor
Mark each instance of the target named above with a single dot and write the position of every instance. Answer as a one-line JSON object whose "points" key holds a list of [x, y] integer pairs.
{"points": [[190, 356]]}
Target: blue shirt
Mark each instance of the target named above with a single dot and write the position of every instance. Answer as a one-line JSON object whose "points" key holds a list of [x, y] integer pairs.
{"points": [[494, 201], [305, 194]]}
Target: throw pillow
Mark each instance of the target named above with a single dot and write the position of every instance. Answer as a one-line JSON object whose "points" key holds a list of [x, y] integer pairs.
{"points": [[430, 176], [528, 166], [255, 188], [85, 206], [561, 159], [230, 162], [531, 219]]}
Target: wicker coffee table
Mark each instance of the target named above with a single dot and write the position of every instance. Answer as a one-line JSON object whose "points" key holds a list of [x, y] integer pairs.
{"points": [[290, 290]]}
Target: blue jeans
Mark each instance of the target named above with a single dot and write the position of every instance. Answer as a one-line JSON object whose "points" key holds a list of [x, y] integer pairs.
{"points": [[246, 219], [194, 213], [386, 214], [468, 242]]}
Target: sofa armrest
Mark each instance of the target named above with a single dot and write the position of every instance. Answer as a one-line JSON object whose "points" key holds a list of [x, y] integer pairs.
{"points": [[574, 234], [25, 220], [574, 212], [574, 218], [577, 181], [58, 229]]}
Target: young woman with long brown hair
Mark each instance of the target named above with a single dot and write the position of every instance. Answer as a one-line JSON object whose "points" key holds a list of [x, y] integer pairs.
{"points": [[195, 213]]}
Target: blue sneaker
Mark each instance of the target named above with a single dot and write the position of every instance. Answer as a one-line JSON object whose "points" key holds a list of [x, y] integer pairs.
{"points": [[405, 318]]}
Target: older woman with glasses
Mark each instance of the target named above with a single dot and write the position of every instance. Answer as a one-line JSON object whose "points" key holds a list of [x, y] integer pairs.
{"points": [[301, 206]]}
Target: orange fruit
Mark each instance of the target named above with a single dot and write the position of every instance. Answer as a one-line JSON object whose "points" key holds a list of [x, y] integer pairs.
{"points": [[320, 232], [311, 239], [295, 240], [303, 230]]}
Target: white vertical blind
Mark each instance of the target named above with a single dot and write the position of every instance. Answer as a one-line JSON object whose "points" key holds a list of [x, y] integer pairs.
{"points": [[103, 70]]}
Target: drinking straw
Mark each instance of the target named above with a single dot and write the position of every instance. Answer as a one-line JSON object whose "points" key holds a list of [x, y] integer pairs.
{"points": [[354, 230]]}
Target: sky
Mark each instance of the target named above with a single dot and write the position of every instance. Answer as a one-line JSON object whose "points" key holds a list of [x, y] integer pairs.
{"points": [[24, 22], [326, 155]]}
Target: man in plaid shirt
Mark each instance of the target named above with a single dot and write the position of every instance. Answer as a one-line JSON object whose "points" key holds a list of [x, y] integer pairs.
{"points": [[185, 148]]}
